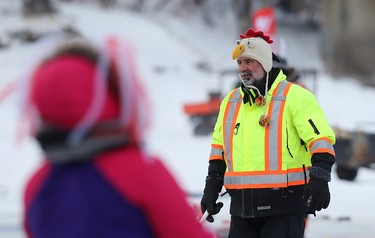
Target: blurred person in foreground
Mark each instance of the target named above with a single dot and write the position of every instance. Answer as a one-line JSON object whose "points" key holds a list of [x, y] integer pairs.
{"points": [[97, 180], [272, 149]]}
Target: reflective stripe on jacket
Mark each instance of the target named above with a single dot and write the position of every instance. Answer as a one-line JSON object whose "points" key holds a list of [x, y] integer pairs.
{"points": [[272, 156]]}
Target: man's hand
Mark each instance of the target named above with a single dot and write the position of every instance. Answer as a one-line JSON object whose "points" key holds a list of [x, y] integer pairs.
{"points": [[317, 196], [210, 195], [212, 208]]}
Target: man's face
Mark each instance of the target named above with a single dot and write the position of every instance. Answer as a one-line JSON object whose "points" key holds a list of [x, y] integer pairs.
{"points": [[250, 71]]}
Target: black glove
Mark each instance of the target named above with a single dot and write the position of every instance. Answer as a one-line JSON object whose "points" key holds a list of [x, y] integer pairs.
{"points": [[210, 195], [317, 196]]}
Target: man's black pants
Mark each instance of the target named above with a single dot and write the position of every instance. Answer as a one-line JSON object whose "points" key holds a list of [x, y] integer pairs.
{"points": [[283, 226]]}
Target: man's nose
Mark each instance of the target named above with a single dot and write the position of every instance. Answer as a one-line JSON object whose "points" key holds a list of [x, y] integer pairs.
{"points": [[242, 67]]}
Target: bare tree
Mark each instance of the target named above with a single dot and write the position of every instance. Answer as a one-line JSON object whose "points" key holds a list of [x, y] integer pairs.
{"points": [[139, 5], [37, 7], [107, 3], [243, 10]]}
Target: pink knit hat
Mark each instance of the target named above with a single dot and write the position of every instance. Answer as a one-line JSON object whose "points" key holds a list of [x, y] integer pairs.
{"points": [[72, 92], [63, 89]]}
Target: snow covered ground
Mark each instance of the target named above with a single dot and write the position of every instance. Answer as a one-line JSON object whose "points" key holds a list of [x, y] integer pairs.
{"points": [[169, 52]]}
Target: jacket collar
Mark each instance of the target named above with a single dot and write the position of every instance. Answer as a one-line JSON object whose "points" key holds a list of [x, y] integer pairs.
{"points": [[276, 75], [103, 137]]}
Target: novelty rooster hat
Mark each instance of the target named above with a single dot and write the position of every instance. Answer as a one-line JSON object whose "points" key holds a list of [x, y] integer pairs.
{"points": [[255, 45]]}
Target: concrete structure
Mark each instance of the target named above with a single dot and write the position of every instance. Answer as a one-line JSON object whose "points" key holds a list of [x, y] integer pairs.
{"points": [[348, 38]]}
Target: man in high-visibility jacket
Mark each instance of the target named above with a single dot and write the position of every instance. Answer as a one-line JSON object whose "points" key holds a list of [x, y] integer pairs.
{"points": [[272, 149]]}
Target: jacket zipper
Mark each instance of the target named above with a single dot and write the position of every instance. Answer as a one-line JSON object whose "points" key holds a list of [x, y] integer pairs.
{"points": [[251, 205], [287, 141], [304, 144], [314, 127], [304, 174]]}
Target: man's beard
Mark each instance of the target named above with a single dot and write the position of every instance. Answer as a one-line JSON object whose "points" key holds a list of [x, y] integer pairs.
{"points": [[256, 80]]}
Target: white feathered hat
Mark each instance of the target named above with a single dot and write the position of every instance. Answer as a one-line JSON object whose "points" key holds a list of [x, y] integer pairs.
{"points": [[255, 45]]}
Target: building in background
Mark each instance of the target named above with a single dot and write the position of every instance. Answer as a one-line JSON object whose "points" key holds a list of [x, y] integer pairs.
{"points": [[348, 38]]}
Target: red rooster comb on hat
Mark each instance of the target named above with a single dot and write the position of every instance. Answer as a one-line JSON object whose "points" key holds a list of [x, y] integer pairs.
{"points": [[251, 33]]}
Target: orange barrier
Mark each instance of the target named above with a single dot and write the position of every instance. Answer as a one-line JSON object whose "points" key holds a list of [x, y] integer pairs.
{"points": [[206, 108]]}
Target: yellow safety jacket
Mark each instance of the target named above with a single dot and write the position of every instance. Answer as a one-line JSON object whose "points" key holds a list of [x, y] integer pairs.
{"points": [[274, 156]]}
